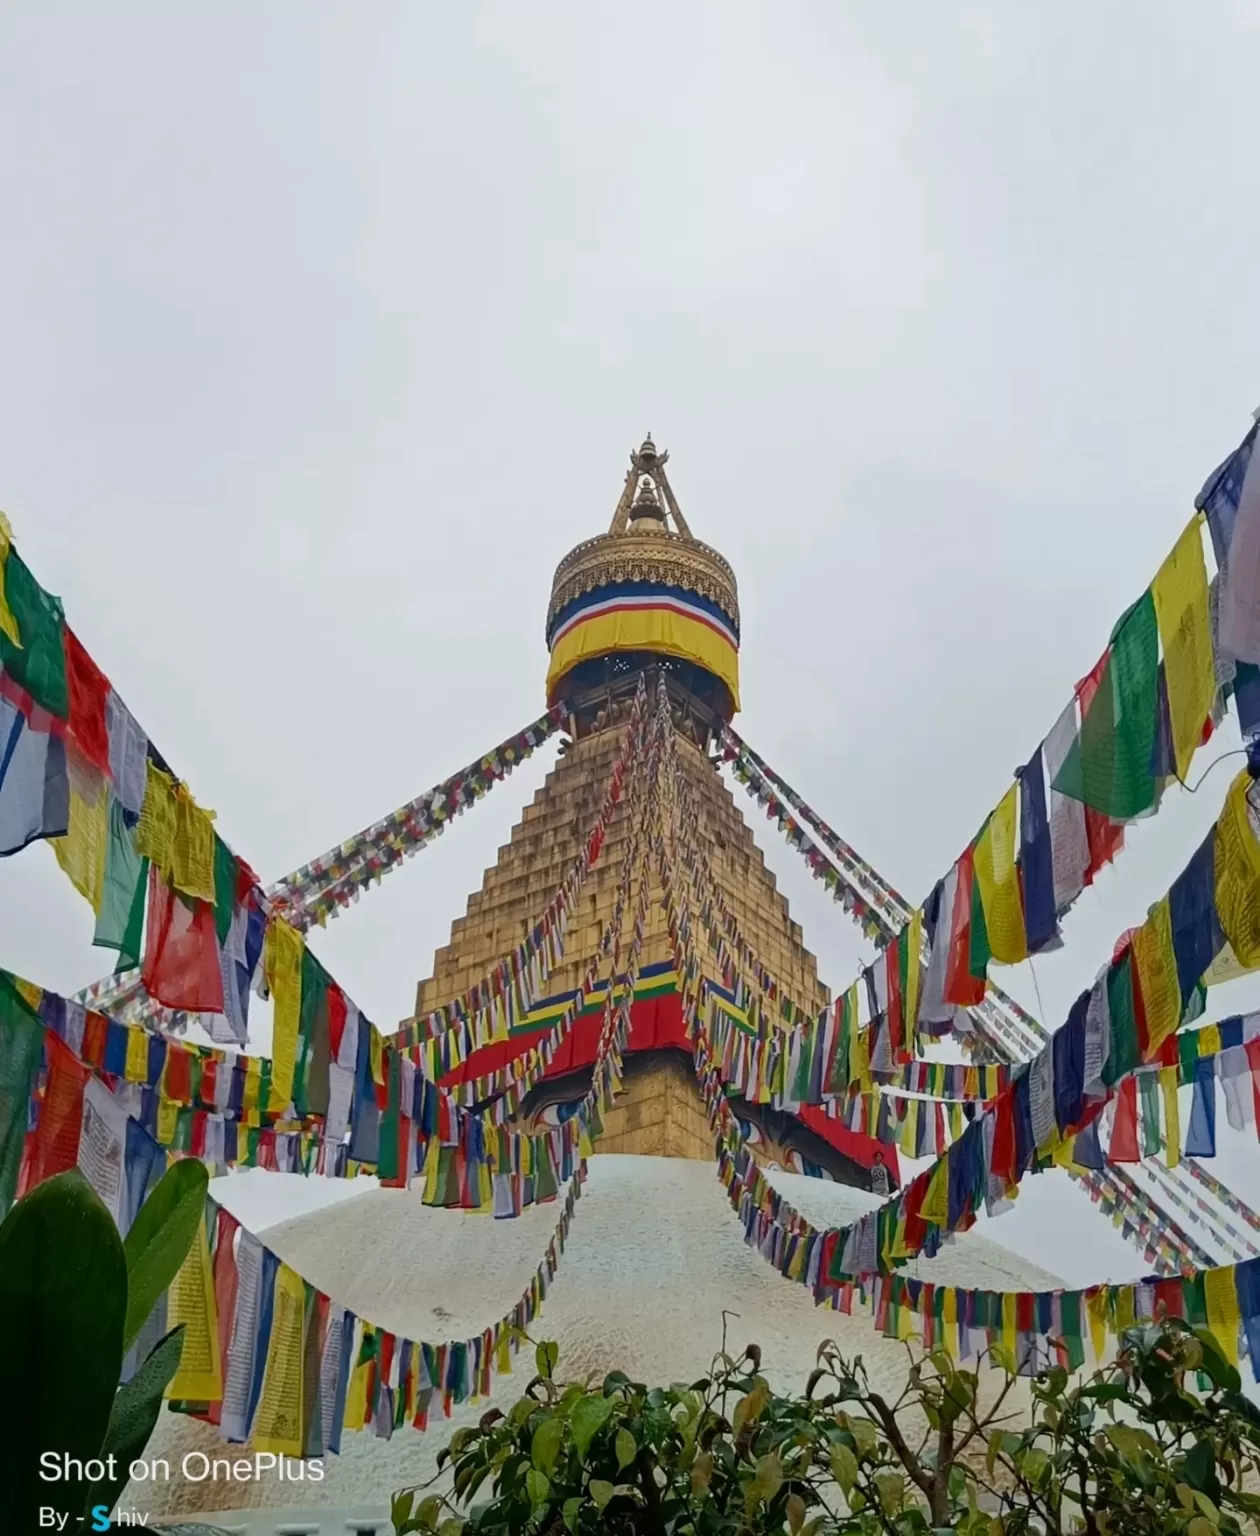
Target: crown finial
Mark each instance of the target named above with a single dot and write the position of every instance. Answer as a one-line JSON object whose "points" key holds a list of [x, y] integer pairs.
{"points": [[646, 514]]}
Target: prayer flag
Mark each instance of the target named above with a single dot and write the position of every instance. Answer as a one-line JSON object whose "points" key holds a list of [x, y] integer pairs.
{"points": [[1109, 766], [1180, 592]]}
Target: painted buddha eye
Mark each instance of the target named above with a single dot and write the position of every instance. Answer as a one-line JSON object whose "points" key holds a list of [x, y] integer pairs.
{"points": [[752, 1133], [552, 1115]]}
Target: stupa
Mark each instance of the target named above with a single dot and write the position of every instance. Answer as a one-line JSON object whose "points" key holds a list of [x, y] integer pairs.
{"points": [[656, 1265], [646, 600]]}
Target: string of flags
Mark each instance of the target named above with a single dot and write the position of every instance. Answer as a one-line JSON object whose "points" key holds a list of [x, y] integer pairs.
{"points": [[398, 1122], [170, 897], [996, 1015], [488, 1009], [1037, 1329], [321, 888], [1124, 1021], [256, 1324], [1175, 660], [818, 1056]]}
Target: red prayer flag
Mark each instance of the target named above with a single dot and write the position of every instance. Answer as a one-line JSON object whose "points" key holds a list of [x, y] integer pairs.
{"points": [[225, 1282], [1124, 1132], [1103, 837], [961, 986], [181, 950], [1252, 1049], [336, 1020], [89, 689], [54, 1146], [1004, 1137]]}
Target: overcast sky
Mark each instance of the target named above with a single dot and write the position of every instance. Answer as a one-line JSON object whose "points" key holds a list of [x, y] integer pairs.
{"points": [[325, 332]]}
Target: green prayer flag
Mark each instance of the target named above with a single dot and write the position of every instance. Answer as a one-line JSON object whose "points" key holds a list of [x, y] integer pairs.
{"points": [[979, 954], [804, 1062], [1110, 765], [39, 663], [132, 946], [21, 1042], [1125, 1053], [1148, 1085], [314, 1010], [124, 872], [224, 888]]}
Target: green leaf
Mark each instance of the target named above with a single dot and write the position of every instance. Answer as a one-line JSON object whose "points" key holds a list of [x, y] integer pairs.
{"points": [[135, 1412], [751, 1406], [600, 1491], [63, 1299], [844, 1467], [863, 1431], [766, 1482], [890, 1488], [546, 1443], [701, 1474], [400, 1509], [627, 1448], [538, 1486], [795, 1511], [1131, 1442], [545, 1357], [571, 1510], [1209, 1509], [160, 1238], [427, 1512], [588, 1417]]}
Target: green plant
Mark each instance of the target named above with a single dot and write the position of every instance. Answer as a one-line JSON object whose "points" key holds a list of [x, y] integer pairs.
{"points": [[73, 1298], [1131, 1449]]}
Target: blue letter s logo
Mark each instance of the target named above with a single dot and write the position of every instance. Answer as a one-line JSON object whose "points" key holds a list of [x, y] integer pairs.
{"points": [[100, 1517]]}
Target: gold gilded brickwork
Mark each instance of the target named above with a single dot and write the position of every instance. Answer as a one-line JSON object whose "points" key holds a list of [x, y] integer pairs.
{"points": [[659, 1114], [546, 840]]}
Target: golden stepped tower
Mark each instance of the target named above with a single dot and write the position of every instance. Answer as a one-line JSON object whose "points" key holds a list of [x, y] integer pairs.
{"points": [[646, 599]]}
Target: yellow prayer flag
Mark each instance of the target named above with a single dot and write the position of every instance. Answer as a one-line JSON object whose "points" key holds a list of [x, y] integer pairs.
{"points": [[81, 852], [136, 1064], [995, 871], [914, 974], [1157, 974], [1172, 1114], [1238, 874], [191, 1302], [252, 1085], [1009, 1320], [375, 1054], [167, 1120], [950, 1321], [356, 1390], [283, 948], [31, 994], [193, 848], [1225, 967], [8, 623], [1098, 1305], [1180, 591], [155, 831], [1122, 1308], [935, 1206], [278, 1424], [1223, 1313]]}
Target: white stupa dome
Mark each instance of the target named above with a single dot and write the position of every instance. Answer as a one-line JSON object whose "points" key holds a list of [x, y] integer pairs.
{"points": [[654, 1257]]}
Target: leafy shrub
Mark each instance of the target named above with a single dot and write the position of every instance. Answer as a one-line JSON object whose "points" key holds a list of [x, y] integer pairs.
{"points": [[1135, 1448], [73, 1298]]}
